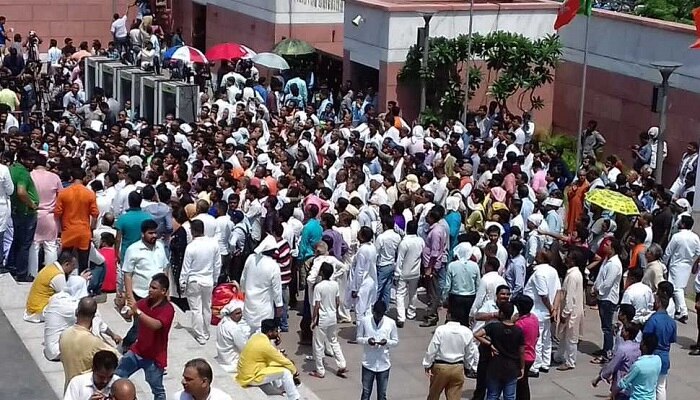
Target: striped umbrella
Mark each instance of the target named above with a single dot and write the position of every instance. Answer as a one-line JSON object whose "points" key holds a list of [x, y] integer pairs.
{"points": [[189, 54]]}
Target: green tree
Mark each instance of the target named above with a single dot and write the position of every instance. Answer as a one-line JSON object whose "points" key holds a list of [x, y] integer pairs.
{"points": [[520, 65]]}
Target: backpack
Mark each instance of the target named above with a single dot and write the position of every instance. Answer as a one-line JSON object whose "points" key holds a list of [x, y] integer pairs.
{"points": [[247, 246]]}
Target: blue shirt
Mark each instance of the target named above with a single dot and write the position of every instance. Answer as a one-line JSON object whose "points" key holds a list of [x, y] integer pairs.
{"points": [[454, 222], [516, 270], [641, 382], [129, 224], [462, 279], [311, 234], [664, 327], [2, 34]]}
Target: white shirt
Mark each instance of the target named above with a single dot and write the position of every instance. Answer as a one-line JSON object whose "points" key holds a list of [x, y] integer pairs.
{"points": [[487, 290], [642, 298], [451, 343], [682, 249], [121, 200], [81, 387], [254, 215], [224, 226], [262, 285], [292, 233], [543, 282], [214, 394], [209, 224], [607, 283], [231, 338], [104, 204], [202, 262], [119, 27], [408, 257], [387, 244], [143, 263], [326, 293], [376, 358]]}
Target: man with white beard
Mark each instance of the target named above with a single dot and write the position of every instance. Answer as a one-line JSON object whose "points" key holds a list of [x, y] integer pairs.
{"points": [[681, 253]]}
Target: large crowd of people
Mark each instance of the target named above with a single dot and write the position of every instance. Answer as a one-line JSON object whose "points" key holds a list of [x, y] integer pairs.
{"points": [[286, 196]]}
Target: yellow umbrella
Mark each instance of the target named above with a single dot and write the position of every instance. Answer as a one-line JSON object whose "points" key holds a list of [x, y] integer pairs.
{"points": [[612, 201]]}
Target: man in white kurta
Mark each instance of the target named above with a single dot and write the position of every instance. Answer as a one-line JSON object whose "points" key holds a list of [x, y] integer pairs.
{"points": [[571, 316], [542, 288], [200, 272], [682, 251], [231, 336], [6, 190], [262, 285], [363, 285]]}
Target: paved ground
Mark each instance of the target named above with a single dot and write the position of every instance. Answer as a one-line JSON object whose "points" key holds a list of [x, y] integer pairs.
{"points": [[25, 374], [408, 381], [20, 378]]}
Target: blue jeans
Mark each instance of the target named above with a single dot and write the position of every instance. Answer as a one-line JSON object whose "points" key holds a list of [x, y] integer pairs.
{"points": [[368, 378], [385, 277], [18, 258], [495, 387], [284, 320], [131, 363], [98, 276], [606, 310]]}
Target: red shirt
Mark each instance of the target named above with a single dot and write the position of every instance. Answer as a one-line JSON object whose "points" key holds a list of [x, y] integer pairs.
{"points": [[153, 345], [531, 332], [110, 282]]}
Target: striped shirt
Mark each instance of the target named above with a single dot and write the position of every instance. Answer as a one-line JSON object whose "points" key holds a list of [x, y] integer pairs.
{"points": [[283, 256]]}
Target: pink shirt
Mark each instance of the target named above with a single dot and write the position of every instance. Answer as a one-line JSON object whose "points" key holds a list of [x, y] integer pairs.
{"points": [[539, 183], [531, 331], [47, 185]]}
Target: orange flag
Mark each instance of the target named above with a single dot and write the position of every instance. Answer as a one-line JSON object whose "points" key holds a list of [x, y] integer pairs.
{"points": [[696, 18]]}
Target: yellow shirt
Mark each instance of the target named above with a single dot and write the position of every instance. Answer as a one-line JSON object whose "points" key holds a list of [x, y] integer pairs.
{"points": [[43, 288], [78, 345], [259, 359]]}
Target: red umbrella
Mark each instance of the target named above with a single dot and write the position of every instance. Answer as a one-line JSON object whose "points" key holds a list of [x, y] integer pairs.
{"points": [[228, 51]]}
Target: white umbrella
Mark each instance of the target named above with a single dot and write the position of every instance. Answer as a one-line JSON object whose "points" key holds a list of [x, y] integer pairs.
{"points": [[270, 60]]}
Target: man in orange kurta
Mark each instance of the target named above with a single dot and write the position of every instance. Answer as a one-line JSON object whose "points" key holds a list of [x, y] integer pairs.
{"points": [[76, 211], [576, 196]]}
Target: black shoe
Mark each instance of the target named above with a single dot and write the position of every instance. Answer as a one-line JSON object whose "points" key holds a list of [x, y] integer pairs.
{"points": [[25, 279], [533, 374], [683, 319], [544, 370], [399, 324], [428, 323]]}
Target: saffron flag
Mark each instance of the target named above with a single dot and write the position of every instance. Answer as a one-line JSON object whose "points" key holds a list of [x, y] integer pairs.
{"points": [[568, 11], [696, 18]]}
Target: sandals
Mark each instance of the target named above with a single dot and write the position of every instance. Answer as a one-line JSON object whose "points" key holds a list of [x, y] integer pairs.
{"points": [[315, 374], [599, 361]]}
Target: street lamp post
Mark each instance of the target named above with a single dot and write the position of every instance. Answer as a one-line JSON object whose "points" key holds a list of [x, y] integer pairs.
{"points": [[427, 16], [666, 68]]}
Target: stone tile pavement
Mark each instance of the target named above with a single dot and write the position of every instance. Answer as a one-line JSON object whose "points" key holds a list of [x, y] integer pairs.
{"points": [[407, 379]]}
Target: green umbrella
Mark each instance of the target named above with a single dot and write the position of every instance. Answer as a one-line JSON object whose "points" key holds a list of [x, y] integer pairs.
{"points": [[293, 47]]}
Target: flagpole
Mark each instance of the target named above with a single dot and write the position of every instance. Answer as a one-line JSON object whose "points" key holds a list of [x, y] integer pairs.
{"points": [[579, 136]]}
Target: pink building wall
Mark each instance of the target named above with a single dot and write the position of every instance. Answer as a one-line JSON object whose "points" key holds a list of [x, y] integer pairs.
{"points": [[225, 25], [57, 19], [622, 107]]}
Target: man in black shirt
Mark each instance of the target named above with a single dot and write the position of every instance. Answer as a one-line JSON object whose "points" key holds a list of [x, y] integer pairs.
{"points": [[507, 345]]}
